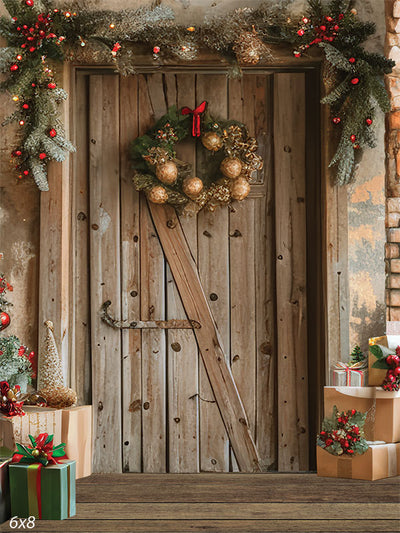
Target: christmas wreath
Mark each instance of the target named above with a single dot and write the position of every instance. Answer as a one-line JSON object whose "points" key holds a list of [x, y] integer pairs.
{"points": [[38, 30], [229, 156]]}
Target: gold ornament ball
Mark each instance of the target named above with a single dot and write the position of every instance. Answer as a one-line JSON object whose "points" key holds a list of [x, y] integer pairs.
{"points": [[240, 188], [192, 186], [231, 167], [158, 195], [11, 395], [211, 141], [167, 172], [35, 452]]}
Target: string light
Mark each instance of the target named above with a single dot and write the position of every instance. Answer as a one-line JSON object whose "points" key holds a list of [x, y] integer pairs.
{"points": [[15, 98], [21, 122], [191, 28], [112, 26]]}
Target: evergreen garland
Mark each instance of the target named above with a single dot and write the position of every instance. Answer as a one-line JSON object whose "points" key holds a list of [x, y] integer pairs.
{"points": [[38, 32], [15, 361]]}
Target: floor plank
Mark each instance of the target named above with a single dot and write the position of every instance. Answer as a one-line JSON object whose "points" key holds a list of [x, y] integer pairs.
{"points": [[230, 503]]}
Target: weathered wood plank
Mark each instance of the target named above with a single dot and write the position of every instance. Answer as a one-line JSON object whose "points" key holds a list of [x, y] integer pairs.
{"points": [[152, 296], [194, 300], [183, 360], [213, 266], [266, 426], [80, 320], [174, 526], [291, 246], [242, 266], [105, 269], [130, 283]]}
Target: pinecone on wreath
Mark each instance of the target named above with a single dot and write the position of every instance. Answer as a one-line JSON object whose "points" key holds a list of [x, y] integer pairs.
{"points": [[50, 377]]}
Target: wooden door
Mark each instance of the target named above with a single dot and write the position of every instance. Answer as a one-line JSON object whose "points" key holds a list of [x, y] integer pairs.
{"points": [[155, 408]]}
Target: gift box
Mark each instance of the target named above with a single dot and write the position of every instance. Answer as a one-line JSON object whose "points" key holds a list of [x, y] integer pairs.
{"points": [[77, 434], [381, 460], [18, 428], [383, 408], [377, 375], [5, 510], [345, 375], [47, 493]]}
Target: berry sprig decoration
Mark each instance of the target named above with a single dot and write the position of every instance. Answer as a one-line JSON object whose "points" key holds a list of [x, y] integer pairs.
{"points": [[389, 360], [343, 433], [38, 31], [9, 403], [5, 287], [353, 77]]}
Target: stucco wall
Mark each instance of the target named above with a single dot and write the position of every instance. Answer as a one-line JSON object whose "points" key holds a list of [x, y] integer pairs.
{"points": [[19, 203]]}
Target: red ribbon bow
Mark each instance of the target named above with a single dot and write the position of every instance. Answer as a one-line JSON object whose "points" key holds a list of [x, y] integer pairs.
{"points": [[196, 129]]}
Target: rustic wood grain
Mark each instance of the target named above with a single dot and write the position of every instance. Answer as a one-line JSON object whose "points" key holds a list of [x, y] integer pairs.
{"points": [[291, 250], [194, 300], [130, 283], [213, 265], [105, 270], [183, 358], [80, 366]]}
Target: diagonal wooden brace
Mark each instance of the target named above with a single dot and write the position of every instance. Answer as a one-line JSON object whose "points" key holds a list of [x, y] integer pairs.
{"points": [[184, 271]]}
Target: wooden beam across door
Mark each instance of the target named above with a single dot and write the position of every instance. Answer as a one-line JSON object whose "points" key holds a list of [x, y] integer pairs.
{"points": [[184, 271]]}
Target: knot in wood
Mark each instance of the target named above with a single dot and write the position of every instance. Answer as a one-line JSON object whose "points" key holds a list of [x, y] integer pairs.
{"points": [[176, 346], [81, 216], [177, 420], [146, 405], [134, 293], [287, 149], [207, 233], [95, 227], [236, 233], [171, 224], [243, 421], [280, 257], [100, 406], [235, 358], [213, 297], [213, 461]]}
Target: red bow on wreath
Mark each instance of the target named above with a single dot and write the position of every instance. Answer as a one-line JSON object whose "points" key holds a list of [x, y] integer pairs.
{"points": [[196, 129]]}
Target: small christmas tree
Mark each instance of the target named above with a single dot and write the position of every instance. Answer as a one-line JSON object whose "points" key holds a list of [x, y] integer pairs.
{"points": [[16, 361], [357, 355]]}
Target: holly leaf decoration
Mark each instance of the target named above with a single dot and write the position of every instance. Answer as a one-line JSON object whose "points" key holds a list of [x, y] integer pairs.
{"points": [[380, 351], [33, 441], [58, 451], [24, 451], [381, 363], [49, 439]]}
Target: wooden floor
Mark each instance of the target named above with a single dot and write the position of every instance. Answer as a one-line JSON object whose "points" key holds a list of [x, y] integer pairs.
{"points": [[232, 503]]}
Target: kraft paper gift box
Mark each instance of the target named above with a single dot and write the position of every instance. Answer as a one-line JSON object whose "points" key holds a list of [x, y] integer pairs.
{"points": [[377, 375], [383, 407], [5, 511], [47, 493], [36, 420], [380, 461], [77, 435]]}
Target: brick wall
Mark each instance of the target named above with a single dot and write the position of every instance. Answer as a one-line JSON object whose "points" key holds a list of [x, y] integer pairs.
{"points": [[392, 50]]}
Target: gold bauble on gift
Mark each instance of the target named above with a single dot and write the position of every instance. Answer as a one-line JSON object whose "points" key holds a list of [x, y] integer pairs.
{"points": [[240, 188], [167, 172], [231, 167], [211, 141], [158, 195], [35, 452], [192, 187]]}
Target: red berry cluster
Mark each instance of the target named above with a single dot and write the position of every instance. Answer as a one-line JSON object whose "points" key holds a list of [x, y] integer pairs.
{"points": [[325, 29], [4, 285], [346, 433], [22, 352], [35, 34], [392, 379]]}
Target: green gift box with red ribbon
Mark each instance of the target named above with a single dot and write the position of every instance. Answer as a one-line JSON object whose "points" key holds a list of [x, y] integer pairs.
{"points": [[42, 481]]}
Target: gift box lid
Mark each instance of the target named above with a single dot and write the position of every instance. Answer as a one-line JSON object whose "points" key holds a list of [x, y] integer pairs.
{"points": [[367, 392]]}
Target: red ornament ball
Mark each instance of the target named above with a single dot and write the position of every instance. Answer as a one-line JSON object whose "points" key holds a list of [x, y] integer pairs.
{"points": [[156, 49], [355, 81], [29, 3], [300, 33], [322, 28], [14, 67], [352, 138], [336, 27], [25, 106], [329, 19], [26, 172], [352, 60], [33, 84], [4, 320], [17, 153], [42, 155], [368, 121], [52, 132], [336, 120], [32, 49], [51, 85]]}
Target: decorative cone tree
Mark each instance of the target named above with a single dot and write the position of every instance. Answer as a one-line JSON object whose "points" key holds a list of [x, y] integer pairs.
{"points": [[51, 380]]}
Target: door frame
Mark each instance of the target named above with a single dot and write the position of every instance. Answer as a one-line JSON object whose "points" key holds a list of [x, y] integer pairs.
{"points": [[56, 211]]}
